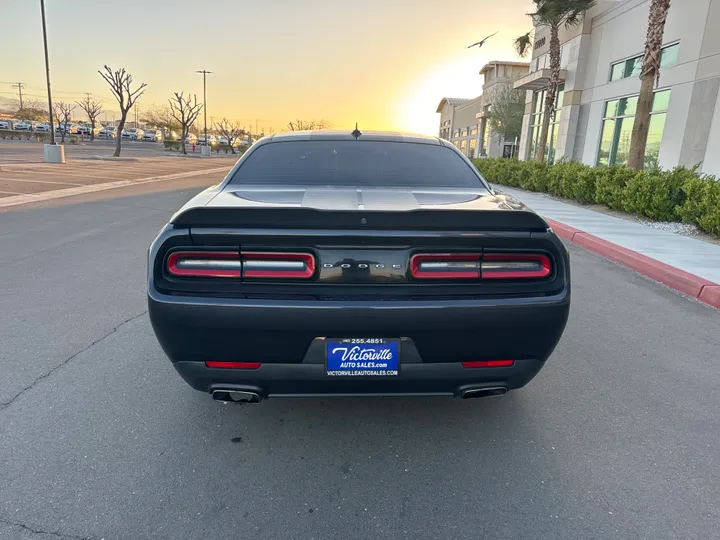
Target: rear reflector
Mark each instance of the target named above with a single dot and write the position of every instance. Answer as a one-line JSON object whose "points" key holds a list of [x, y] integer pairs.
{"points": [[277, 265], [445, 266], [488, 363], [233, 365], [515, 266], [204, 264]]}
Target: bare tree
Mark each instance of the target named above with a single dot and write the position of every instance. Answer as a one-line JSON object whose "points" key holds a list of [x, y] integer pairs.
{"points": [[185, 111], [231, 131], [300, 125], [92, 109], [63, 113], [161, 116], [120, 82], [31, 110]]}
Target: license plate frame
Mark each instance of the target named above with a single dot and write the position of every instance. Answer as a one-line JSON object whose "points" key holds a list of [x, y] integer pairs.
{"points": [[362, 357]]}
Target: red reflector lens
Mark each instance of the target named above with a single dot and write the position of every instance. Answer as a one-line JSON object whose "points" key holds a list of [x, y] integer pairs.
{"points": [[488, 363], [204, 264], [445, 266], [233, 365], [515, 266], [277, 265]]}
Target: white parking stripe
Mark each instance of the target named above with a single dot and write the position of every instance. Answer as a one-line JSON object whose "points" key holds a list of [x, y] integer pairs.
{"points": [[59, 193]]}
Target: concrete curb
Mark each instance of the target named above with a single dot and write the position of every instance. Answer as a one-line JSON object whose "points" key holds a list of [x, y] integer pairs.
{"points": [[685, 282]]}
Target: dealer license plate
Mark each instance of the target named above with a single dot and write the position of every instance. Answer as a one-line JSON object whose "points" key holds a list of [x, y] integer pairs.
{"points": [[363, 357]]}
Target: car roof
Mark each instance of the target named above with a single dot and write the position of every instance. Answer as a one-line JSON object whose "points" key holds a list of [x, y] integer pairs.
{"points": [[347, 135]]}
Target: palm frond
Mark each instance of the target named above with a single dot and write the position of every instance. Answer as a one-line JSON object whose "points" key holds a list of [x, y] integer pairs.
{"points": [[523, 44]]}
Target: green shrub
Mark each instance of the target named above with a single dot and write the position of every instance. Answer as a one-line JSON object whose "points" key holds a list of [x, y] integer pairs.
{"points": [[172, 145], [710, 220], [610, 184], [73, 139], [681, 193], [657, 194]]}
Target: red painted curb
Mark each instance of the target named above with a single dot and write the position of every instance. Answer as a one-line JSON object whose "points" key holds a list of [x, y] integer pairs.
{"points": [[562, 230], [710, 295], [685, 282]]}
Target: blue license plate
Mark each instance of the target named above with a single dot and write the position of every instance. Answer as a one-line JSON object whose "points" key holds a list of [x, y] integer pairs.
{"points": [[360, 357]]}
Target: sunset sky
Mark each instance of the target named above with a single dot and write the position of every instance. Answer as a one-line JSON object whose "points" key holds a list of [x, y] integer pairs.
{"points": [[383, 63]]}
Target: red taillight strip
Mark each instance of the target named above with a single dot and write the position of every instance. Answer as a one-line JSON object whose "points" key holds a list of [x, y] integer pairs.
{"points": [[233, 365], [472, 271], [252, 271], [488, 363], [175, 260], [495, 270]]}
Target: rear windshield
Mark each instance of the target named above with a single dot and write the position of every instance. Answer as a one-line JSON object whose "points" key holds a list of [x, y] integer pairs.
{"points": [[356, 163]]}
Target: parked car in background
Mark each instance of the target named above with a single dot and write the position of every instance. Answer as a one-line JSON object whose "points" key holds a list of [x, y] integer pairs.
{"points": [[24, 125], [43, 126], [154, 135], [86, 129], [4, 124], [109, 132], [191, 139], [211, 139], [132, 134]]}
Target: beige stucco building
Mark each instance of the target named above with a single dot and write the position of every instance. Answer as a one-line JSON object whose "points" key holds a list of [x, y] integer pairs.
{"points": [[600, 61], [463, 122]]}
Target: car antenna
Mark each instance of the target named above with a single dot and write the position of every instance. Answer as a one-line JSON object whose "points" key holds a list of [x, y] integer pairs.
{"points": [[357, 132]]}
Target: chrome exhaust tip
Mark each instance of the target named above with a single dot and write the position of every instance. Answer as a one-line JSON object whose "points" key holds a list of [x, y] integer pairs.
{"points": [[493, 391], [236, 396]]}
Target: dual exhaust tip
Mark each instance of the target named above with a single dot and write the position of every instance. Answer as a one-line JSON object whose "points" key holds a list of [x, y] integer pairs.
{"points": [[247, 396]]}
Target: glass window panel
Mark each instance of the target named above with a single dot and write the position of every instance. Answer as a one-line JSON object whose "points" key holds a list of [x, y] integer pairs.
{"points": [[611, 108], [616, 71], [473, 145], [669, 55], [564, 55], [606, 141], [661, 100], [655, 134], [627, 106], [623, 134], [633, 66]]}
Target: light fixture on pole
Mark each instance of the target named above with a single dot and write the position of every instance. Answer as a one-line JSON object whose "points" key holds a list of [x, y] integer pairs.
{"points": [[204, 74]]}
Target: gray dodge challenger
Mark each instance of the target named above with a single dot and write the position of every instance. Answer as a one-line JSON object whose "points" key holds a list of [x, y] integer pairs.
{"points": [[333, 263]]}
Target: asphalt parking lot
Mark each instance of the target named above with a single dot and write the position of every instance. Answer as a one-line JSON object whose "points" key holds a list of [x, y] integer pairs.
{"points": [[618, 437], [23, 175]]}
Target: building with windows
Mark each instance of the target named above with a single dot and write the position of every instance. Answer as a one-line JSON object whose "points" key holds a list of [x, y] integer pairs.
{"points": [[464, 122], [600, 67]]}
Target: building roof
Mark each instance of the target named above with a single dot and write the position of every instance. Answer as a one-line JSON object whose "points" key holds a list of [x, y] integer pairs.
{"points": [[491, 65], [452, 101]]}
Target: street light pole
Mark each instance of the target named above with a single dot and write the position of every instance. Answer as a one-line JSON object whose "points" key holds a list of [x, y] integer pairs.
{"points": [[204, 73], [47, 74]]}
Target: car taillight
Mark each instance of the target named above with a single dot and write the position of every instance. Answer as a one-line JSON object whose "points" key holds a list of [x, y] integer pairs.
{"points": [[204, 264], [273, 265], [232, 365], [488, 363], [445, 266], [515, 266]]}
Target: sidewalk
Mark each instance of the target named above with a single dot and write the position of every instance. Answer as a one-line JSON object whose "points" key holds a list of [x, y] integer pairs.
{"points": [[686, 264]]}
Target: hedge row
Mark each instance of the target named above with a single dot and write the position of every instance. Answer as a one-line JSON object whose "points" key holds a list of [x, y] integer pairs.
{"points": [[27, 135], [680, 194]]}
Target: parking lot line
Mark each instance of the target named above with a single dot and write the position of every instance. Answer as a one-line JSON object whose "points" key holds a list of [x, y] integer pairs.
{"points": [[19, 199], [23, 180]]}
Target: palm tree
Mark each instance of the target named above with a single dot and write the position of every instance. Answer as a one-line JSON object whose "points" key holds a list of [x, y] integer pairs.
{"points": [[553, 14], [649, 77]]}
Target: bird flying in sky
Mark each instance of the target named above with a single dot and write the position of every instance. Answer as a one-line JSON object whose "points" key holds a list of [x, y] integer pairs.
{"points": [[481, 42]]}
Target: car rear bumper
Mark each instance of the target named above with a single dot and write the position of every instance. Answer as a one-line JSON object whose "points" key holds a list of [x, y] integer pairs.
{"points": [[287, 339]]}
